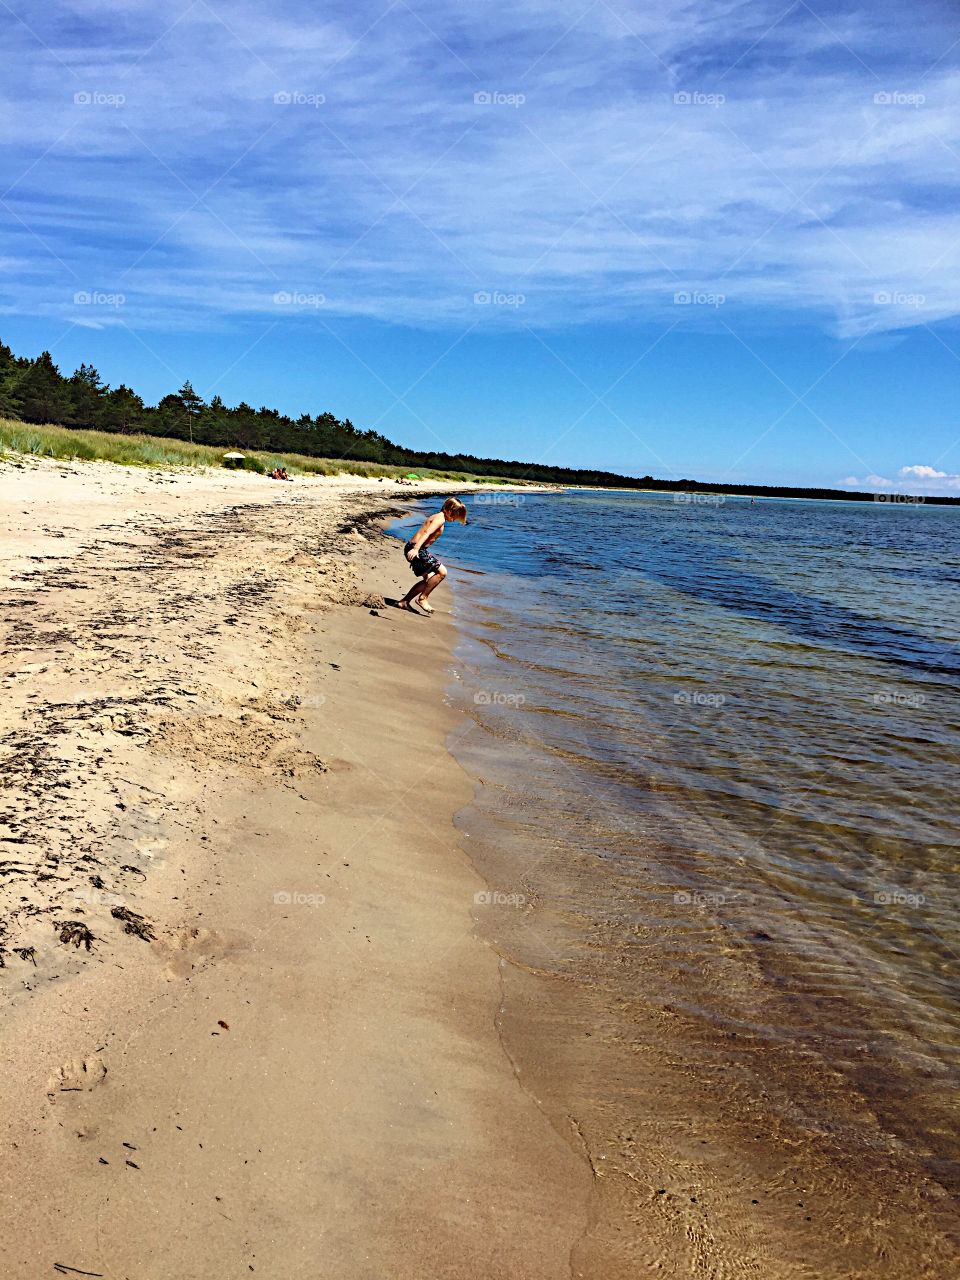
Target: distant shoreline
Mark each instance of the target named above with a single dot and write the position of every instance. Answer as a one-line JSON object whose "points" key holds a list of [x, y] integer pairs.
{"points": [[881, 499], [180, 446]]}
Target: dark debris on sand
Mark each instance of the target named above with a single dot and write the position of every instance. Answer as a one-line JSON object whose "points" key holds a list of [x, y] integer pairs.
{"points": [[134, 923], [75, 931]]}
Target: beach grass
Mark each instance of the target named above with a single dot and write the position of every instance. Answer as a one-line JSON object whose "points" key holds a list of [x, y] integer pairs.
{"points": [[78, 445]]}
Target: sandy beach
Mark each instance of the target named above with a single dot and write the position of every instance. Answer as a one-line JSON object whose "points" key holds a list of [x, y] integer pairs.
{"points": [[248, 1026]]}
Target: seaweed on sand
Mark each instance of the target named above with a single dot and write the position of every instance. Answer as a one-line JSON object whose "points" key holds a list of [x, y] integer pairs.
{"points": [[75, 931], [133, 923]]}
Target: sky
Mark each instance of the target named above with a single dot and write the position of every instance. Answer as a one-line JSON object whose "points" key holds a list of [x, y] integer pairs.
{"points": [[708, 240]]}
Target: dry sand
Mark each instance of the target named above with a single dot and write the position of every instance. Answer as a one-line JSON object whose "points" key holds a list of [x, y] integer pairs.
{"points": [[247, 1024]]}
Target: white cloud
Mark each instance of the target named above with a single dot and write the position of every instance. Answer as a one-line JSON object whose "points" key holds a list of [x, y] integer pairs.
{"points": [[926, 473], [917, 478], [600, 196], [930, 475]]}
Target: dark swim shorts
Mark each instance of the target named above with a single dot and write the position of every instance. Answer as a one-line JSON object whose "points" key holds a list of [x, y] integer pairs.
{"points": [[424, 563]]}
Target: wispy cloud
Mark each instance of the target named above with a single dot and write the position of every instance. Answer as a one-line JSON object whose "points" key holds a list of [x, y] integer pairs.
{"points": [[600, 161]]}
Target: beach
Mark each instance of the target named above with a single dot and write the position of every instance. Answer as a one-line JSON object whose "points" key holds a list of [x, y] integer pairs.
{"points": [[340, 942], [248, 1025]]}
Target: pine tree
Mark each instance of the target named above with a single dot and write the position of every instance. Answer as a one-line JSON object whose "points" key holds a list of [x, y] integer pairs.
{"points": [[87, 391], [192, 404], [9, 372], [43, 393], [122, 411]]}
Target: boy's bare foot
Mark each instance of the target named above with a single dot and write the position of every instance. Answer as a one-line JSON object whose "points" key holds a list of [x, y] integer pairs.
{"points": [[427, 608], [406, 604]]}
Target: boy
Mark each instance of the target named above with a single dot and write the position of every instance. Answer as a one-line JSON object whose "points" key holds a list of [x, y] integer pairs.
{"points": [[423, 562]]}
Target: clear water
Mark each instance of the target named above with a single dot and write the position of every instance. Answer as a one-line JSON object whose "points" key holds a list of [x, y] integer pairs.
{"points": [[720, 740]]}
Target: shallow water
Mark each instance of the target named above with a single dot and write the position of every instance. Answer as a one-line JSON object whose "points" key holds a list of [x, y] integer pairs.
{"points": [[716, 746]]}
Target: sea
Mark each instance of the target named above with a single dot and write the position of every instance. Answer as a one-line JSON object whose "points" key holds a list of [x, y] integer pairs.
{"points": [[714, 744]]}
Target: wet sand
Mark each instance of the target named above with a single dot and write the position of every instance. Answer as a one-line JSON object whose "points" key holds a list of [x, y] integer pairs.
{"points": [[247, 1025]]}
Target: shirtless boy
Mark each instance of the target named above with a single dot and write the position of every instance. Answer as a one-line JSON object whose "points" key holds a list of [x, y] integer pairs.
{"points": [[423, 562]]}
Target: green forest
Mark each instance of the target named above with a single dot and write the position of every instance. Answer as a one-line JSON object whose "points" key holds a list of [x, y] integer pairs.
{"points": [[35, 391]]}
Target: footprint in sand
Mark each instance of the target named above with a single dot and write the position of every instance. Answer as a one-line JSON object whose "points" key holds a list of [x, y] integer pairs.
{"points": [[80, 1075]]}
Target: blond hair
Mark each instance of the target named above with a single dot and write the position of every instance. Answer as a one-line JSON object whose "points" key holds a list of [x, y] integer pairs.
{"points": [[454, 509]]}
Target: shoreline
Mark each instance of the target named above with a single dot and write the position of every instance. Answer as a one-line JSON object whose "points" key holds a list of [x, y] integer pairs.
{"points": [[282, 1055]]}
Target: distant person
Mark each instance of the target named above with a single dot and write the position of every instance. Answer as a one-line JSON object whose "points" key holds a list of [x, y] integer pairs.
{"points": [[422, 561]]}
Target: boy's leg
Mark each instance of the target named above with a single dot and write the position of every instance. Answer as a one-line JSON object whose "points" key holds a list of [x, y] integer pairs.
{"points": [[421, 588], [418, 589], [432, 583]]}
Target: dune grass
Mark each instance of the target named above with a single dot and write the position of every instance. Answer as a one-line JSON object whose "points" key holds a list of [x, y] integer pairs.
{"points": [[76, 445]]}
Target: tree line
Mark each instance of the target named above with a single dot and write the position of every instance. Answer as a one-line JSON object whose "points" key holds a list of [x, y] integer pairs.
{"points": [[35, 391]]}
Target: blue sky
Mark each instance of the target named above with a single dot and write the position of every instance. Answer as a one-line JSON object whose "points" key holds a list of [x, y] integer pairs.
{"points": [[711, 240]]}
